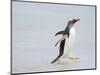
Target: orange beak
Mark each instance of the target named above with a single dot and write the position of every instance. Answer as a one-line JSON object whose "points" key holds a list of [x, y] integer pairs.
{"points": [[77, 20]]}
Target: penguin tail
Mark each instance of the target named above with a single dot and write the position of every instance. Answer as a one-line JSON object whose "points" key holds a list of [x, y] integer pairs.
{"points": [[56, 59]]}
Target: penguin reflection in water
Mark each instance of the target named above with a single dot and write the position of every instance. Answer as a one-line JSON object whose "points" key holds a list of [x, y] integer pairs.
{"points": [[66, 42]]}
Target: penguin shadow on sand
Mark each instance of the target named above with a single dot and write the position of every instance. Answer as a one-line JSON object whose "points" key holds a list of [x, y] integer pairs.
{"points": [[66, 44]]}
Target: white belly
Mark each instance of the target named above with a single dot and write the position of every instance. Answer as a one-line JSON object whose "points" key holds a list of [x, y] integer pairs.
{"points": [[69, 43]]}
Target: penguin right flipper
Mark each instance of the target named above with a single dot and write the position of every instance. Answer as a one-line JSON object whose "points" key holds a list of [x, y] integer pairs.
{"points": [[60, 51], [60, 32]]}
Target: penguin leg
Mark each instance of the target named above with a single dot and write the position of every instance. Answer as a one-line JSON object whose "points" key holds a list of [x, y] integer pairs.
{"points": [[73, 58], [60, 62]]}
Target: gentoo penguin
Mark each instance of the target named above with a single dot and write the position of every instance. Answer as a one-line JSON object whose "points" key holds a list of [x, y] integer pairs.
{"points": [[66, 42]]}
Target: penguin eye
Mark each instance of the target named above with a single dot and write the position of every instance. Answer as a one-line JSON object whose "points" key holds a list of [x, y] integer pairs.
{"points": [[74, 20]]}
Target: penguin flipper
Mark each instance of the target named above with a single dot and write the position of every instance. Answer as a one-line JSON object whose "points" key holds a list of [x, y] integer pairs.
{"points": [[60, 32], [56, 58], [60, 51]]}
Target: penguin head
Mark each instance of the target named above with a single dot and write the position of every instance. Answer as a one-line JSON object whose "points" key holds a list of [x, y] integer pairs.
{"points": [[73, 21]]}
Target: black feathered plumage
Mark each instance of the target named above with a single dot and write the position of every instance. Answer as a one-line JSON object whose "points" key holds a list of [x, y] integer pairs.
{"points": [[61, 51]]}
